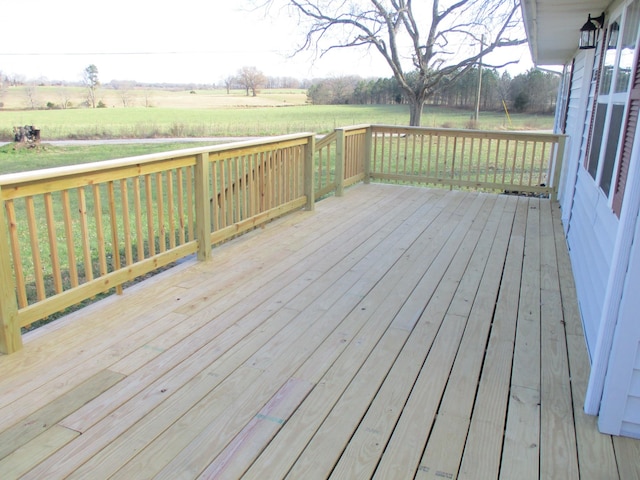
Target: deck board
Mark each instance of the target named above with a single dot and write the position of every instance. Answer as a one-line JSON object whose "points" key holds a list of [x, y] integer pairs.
{"points": [[395, 332]]}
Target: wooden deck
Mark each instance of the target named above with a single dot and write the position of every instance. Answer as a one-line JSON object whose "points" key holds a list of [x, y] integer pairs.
{"points": [[395, 332]]}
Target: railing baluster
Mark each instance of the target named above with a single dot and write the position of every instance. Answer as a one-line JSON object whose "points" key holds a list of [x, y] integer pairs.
{"points": [[126, 225], [84, 236], [180, 198], [170, 210], [97, 208], [115, 249], [525, 146], [216, 196], [497, 161], [504, 165], [190, 204], [162, 229], [53, 243], [137, 206], [15, 252], [541, 171], [35, 248], [150, 220], [68, 227]]}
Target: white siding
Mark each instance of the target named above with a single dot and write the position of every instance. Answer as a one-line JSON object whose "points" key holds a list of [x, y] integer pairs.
{"points": [[620, 407], [591, 240], [575, 129], [631, 417]]}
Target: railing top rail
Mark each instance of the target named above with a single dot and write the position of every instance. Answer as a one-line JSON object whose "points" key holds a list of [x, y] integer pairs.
{"points": [[540, 136], [14, 179], [326, 140], [354, 127]]}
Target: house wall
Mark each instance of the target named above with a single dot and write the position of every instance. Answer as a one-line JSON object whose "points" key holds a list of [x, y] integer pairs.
{"points": [[590, 224], [605, 255], [604, 245], [591, 239], [578, 91], [620, 408]]}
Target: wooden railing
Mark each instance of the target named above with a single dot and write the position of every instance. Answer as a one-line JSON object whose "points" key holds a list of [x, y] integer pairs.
{"points": [[341, 159], [68, 234], [486, 160]]}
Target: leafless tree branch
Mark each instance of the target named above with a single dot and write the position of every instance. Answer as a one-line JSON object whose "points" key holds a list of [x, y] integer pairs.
{"points": [[421, 40]]}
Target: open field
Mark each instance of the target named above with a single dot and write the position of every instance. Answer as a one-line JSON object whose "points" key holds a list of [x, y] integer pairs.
{"points": [[207, 113], [21, 97], [199, 122]]}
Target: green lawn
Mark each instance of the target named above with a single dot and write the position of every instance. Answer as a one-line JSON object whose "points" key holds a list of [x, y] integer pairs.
{"points": [[198, 122], [13, 160], [234, 122]]}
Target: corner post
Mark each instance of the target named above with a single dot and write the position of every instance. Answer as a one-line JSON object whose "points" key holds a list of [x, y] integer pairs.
{"points": [[10, 337], [309, 170], [203, 207], [368, 148], [557, 168], [340, 161]]}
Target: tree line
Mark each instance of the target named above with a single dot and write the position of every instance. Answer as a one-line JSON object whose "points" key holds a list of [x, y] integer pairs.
{"points": [[532, 92]]}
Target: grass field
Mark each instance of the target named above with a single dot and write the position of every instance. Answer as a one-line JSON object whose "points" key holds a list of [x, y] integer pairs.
{"points": [[13, 160], [196, 122], [206, 113]]}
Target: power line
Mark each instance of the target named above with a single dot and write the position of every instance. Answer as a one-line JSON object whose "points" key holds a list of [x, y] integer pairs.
{"points": [[194, 52]]}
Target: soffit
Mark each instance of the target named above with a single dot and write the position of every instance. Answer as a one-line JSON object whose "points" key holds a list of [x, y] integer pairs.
{"points": [[553, 27]]}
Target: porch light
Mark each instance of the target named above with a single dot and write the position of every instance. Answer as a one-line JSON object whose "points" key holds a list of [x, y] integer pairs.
{"points": [[614, 32], [589, 32]]}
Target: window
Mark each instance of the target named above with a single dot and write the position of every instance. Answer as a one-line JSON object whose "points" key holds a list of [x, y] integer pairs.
{"points": [[613, 96]]}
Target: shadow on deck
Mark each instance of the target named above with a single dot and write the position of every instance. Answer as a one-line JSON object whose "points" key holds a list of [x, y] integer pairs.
{"points": [[397, 332]]}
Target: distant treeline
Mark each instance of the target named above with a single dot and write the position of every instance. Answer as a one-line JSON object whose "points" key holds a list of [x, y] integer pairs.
{"points": [[531, 92]]}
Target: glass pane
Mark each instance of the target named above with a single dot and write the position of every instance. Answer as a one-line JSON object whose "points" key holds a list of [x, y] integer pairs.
{"points": [[612, 146], [628, 44], [596, 138], [607, 72]]}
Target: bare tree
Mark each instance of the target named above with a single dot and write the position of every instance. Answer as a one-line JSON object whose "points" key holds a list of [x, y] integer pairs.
{"points": [[422, 41], [91, 81], [251, 79], [148, 96], [65, 96], [229, 81], [30, 92], [125, 91], [16, 79]]}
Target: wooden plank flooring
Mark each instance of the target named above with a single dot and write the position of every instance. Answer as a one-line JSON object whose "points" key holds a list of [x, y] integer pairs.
{"points": [[395, 332]]}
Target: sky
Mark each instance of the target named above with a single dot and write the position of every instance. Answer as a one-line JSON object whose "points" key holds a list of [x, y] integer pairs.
{"points": [[204, 41]]}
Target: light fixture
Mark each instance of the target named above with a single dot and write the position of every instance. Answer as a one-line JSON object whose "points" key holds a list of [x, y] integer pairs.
{"points": [[589, 32], [614, 32]]}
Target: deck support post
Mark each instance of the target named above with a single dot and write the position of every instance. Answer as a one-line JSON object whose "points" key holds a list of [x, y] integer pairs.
{"points": [[368, 148], [10, 337], [340, 160], [309, 164], [203, 206]]}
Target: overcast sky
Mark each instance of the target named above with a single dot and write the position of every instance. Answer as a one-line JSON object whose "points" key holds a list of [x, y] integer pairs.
{"points": [[201, 41]]}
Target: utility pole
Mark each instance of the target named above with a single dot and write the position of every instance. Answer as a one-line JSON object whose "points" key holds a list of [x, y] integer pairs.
{"points": [[477, 113]]}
